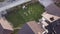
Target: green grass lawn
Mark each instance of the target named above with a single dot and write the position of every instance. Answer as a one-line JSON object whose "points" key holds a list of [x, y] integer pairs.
{"points": [[33, 12], [20, 17]]}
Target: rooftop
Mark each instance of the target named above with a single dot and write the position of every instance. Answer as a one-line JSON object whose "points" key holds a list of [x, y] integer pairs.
{"points": [[53, 9], [48, 16], [11, 3], [46, 3]]}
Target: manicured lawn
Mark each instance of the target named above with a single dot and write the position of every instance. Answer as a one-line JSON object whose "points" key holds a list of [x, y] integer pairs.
{"points": [[20, 17], [33, 12]]}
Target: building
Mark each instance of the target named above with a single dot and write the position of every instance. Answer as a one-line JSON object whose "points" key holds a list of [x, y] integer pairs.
{"points": [[51, 16], [31, 28], [48, 17], [53, 9], [5, 27], [57, 1], [52, 22], [8, 4], [46, 3]]}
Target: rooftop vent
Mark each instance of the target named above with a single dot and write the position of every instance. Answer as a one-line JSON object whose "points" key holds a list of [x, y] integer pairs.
{"points": [[52, 18]]}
